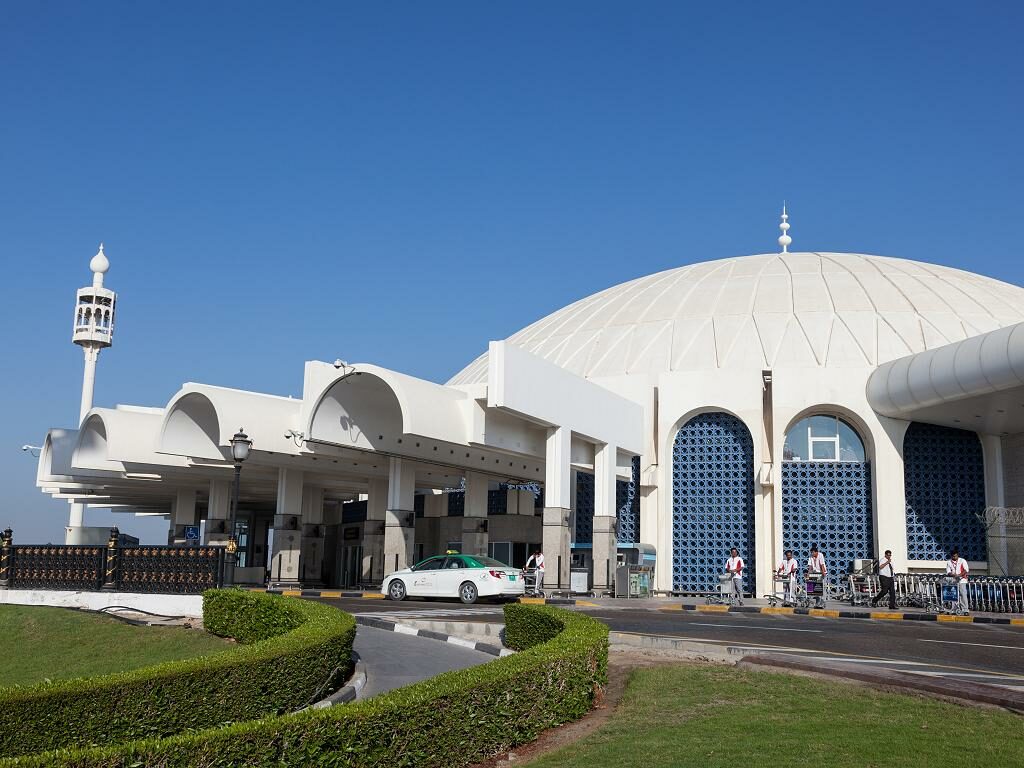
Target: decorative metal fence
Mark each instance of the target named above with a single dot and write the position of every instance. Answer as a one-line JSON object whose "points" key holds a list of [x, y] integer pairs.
{"points": [[171, 570]]}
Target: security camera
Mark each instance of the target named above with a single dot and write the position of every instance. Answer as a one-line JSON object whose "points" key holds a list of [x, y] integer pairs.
{"points": [[339, 363]]}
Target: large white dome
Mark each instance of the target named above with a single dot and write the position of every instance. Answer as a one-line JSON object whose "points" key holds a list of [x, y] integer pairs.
{"points": [[794, 310]]}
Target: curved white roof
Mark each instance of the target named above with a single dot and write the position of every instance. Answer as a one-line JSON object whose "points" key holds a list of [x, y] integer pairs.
{"points": [[835, 310]]}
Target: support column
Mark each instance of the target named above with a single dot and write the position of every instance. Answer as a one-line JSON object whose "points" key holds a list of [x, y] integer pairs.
{"points": [[373, 532], [313, 534], [183, 513], [474, 524], [218, 513], [400, 520], [557, 491], [605, 544], [285, 564]]}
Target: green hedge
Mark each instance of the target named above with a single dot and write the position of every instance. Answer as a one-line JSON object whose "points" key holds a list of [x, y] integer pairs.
{"points": [[291, 648], [456, 719]]}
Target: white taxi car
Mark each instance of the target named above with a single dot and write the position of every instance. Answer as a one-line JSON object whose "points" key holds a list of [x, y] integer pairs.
{"points": [[466, 577]]}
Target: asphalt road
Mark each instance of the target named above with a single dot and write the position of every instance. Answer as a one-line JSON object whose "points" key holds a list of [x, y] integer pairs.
{"points": [[984, 647], [393, 659]]}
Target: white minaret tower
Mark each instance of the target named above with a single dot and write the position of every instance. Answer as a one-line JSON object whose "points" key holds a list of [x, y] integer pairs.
{"points": [[93, 330]]}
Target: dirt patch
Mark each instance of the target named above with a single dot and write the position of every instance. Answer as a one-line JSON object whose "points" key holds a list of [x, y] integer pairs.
{"points": [[620, 666]]}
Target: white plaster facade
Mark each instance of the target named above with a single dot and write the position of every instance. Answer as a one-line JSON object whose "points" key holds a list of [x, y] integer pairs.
{"points": [[768, 338]]}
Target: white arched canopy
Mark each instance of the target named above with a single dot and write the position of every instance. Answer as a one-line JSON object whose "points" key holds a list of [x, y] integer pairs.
{"points": [[191, 428], [360, 410]]}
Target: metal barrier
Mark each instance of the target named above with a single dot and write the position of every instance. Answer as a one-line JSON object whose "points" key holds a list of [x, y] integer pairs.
{"points": [[177, 570], [989, 594]]}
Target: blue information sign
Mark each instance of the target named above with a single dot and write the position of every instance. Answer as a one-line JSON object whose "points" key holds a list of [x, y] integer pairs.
{"points": [[191, 533]]}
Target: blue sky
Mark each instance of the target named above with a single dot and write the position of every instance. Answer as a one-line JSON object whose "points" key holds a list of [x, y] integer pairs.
{"points": [[402, 182]]}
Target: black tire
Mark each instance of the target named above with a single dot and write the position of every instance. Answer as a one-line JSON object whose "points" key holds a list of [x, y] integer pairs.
{"points": [[396, 590], [468, 592]]}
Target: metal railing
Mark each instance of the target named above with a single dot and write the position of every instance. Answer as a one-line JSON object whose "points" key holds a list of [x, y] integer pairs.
{"points": [[116, 568], [990, 594]]}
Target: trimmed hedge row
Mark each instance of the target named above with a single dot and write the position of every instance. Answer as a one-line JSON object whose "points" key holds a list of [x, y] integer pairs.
{"points": [[456, 719], [290, 650]]}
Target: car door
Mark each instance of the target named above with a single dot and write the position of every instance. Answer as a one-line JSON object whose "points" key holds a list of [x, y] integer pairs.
{"points": [[450, 578], [423, 580]]}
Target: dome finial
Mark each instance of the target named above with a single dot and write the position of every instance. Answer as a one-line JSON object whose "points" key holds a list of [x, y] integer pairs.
{"points": [[784, 238], [99, 266]]}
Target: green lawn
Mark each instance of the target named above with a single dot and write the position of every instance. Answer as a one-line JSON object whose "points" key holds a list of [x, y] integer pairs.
{"points": [[57, 643], [721, 716]]}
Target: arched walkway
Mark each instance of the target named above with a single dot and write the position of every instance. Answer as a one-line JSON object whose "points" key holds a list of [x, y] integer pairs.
{"points": [[712, 500]]}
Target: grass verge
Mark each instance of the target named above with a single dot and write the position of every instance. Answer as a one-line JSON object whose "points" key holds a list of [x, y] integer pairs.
{"points": [[691, 715], [40, 643]]}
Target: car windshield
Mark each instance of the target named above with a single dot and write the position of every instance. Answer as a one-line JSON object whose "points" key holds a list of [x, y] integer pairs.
{"points": [[432, 564], [487, 562]]}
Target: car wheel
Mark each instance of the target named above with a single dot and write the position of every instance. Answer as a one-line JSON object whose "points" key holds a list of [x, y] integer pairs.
{"points": [[396, 590], [468, 592]]}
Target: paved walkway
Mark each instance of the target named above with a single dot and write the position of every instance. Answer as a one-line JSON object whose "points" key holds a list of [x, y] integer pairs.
{"points": [[393, 659]]}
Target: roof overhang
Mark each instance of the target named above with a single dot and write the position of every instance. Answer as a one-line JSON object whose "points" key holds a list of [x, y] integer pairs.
{"points": [[975, 384]]}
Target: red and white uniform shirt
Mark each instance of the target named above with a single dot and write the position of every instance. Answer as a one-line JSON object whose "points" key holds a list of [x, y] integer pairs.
{"points": [[958, 568], [734, 565], [816, 564], [788, 567]]}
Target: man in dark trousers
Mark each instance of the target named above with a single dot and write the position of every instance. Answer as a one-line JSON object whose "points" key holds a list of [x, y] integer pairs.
{"points": [[885, 576]]}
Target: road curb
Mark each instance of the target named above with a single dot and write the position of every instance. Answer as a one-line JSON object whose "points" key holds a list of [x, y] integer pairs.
{"points": [[888, 678], [348, 692], [394, 626], [331, 594], [831, 613]]}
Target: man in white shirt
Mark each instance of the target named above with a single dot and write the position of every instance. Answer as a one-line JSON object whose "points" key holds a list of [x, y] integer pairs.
{"points": [[734, 566], [957, 566], [787, 569], [816, 567], [536, 561], [886, 575]]}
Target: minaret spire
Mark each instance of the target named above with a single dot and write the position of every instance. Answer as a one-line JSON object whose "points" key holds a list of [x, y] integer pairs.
{"points": [[784, 238]]}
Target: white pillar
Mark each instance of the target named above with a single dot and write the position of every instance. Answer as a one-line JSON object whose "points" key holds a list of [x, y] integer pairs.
{"points": [[474, 523], [557, 506], [183, 513], [604, 546], [313, 534], [400, 520], [373, 531], [218, 513], [88, 380], [285, 562]]}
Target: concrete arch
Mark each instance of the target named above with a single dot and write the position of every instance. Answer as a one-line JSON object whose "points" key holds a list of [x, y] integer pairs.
{"points": [[360, 410], [191, 427], [92, 450], [687, 417]]}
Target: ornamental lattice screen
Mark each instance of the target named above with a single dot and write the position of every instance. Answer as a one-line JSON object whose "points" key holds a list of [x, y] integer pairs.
{"points": [[627, 508], [712, 501], [828, 503], [944, 479]]}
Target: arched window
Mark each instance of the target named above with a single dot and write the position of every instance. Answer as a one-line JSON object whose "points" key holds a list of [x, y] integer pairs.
{"points": [[826, 493], [822, 438]]}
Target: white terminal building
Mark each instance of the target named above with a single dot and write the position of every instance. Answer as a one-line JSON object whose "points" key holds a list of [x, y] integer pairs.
{"points": [[766, 402]]}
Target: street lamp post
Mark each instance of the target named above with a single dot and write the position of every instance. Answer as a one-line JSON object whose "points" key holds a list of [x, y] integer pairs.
{"points": [[240, 446]]}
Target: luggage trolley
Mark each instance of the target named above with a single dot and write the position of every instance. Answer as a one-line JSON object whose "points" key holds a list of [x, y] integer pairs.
{"points": [[949, 597], [815, 589], [781, 594], [726, 592], [530, 586]]}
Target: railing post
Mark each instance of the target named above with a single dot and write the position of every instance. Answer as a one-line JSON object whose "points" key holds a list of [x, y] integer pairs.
{"points": [[5, 557], [110, 571]]}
